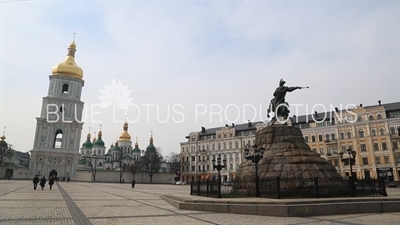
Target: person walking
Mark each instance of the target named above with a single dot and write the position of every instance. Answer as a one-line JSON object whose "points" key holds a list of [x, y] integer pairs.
{"points": [[51, 181], [133, 183], [35, 182], [42, 182]]}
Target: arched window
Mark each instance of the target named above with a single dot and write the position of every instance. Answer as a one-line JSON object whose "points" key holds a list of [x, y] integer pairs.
{"points": [[306, 139], [392, 130], [359, 119], [333, 136], [65, 89], [58, 139], [361, 133], [342, 135], [373, 132], [320, 137], [371, 117], [313, 138], [379, 116], [348, 135], [327, 137], [382, 131]]}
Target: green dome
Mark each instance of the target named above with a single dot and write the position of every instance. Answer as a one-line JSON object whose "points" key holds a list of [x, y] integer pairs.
{"points": [[127, 156], [99, 142], [87, 143], [136, 150], [116, 148], [151, 147]]}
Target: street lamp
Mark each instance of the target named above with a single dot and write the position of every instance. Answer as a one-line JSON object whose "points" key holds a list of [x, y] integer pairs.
{"points": [[350, 160], [219, 167], [255, 158]]}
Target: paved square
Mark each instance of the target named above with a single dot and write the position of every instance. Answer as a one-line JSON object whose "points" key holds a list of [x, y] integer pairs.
{"points": [[102, 203]]}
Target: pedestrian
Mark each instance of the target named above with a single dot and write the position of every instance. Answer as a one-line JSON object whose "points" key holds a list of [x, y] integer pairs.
{"points": [[42, 182], [35, 182], [68, 178], [133, 183], [51, 181], [9, 177]]}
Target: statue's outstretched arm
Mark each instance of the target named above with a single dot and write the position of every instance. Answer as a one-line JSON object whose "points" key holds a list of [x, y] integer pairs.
{"points": [[290, 89]]}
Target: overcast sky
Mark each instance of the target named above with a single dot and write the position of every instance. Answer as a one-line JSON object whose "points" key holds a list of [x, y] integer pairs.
{"points": [[176, 62]]}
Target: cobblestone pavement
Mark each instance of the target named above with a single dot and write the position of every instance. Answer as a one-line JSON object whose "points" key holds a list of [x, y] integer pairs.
{"points": [[103, 203]]}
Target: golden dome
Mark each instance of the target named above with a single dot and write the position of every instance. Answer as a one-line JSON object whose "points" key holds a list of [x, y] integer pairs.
{"points": [[69, 67], [125, 136]]}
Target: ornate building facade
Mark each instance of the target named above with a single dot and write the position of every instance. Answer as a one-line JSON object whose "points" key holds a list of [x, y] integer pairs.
{"points": [[372, 131], [58, 128]]}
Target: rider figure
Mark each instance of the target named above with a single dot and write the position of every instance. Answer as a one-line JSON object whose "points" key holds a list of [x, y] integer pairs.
{"points": [[278, 102]]}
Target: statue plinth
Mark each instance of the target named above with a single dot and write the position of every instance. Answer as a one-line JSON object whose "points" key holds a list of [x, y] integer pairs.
{"points": [[286, 156]]}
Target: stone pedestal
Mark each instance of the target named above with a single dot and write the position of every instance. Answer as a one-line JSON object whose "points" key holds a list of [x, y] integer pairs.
{"points": [[286, 156]]}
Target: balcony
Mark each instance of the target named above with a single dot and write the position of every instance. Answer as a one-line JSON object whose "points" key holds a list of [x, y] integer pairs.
{"points": [[395, 136], [331, 142]]}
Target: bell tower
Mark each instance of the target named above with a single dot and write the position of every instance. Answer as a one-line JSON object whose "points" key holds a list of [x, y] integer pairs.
{"points": [[58, 128]]}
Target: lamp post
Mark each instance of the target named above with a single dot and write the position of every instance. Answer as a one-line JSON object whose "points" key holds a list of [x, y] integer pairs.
{"points": [[255, 158], [219, 167], [350, 160]]}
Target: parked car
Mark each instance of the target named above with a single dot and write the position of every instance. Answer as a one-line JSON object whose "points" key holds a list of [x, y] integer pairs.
{"points": [[180, 182], [392, 184]]}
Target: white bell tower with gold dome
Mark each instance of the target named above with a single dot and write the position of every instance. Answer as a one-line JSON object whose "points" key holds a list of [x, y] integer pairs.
{"points": [[58, 128]]}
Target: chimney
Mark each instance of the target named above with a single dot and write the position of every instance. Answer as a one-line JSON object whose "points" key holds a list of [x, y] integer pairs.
{"points": [[336, 109], [379, 102], [203, 129], [249, 123], [360, 105]]}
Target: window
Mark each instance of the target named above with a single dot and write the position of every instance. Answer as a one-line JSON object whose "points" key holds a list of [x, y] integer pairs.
{"points": [[193, 169], [314, 149], [376, 147], [350, 146], [371, 117], [363, 147], [224, 145], [219, 135], [213, 146], [397, 158], [342, 135], [379, 116], [230, 134], [373, 132], [333, 136], [58, 139], [343, 148], [392, 130], [365, 160], [306, 139], [224, 135], [328, 151], [327, 137], [321, 151], [386, 158], [303, 126], [382, 131], [219, 145], [230, 144], [378, 160], [334, 149], [395, 145], [320, 137], [193, 158], [359, 119], [236, 144], [313, 138], [361, 133], [335, 162], [384, 146], [349, 135], [65, 89]]}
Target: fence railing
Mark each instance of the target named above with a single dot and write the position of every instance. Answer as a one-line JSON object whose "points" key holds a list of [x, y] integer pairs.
{"points": [[291, 188]]}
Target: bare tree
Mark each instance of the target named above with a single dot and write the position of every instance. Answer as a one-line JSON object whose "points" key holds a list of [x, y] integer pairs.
{"points": [[93, 166], [174, 163], [151, 162], [135, 167]]}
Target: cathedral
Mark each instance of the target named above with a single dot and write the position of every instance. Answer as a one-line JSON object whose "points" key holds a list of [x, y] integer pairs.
{"points": [[94, 155], [58, 128]]}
